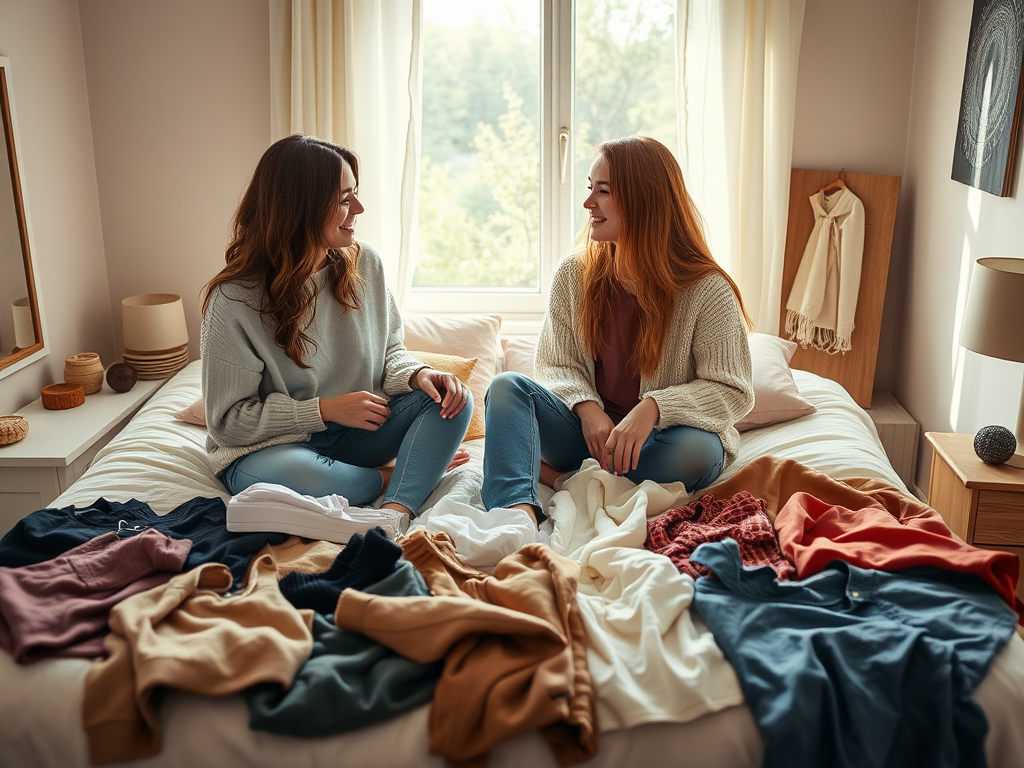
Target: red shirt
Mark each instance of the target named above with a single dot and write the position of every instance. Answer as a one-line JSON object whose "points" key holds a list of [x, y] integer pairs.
{"points": [[813, 533], [617, 381]]}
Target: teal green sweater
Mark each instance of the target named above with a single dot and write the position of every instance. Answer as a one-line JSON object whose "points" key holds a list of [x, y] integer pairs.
{"points": [[255, 395]]}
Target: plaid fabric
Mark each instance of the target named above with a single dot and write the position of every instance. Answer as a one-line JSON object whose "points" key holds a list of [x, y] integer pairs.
{"points": [[741, 517]]}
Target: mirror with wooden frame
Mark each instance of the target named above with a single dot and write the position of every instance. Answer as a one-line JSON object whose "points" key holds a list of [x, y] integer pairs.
{"points": [[22, 337]]}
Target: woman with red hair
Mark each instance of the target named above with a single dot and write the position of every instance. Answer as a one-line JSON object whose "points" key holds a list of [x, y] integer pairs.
{"points": [[643, 362]]}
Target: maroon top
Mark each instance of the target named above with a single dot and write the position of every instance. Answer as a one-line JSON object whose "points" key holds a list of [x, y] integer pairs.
{"points": [[618, 383], [742, 517]]}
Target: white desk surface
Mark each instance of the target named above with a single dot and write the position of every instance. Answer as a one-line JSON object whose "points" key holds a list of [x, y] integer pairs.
{"points": [[57, 438]]}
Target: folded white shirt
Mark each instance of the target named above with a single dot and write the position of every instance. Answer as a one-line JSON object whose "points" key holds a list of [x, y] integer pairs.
{"points": [[481, 538], [272, 507]]}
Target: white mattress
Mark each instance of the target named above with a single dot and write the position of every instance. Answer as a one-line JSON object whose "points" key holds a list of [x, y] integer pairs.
{"points": [[162, 461]]}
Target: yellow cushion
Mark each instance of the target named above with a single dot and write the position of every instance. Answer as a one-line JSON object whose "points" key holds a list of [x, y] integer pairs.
{"points": [[468, 336], [463, 369]]}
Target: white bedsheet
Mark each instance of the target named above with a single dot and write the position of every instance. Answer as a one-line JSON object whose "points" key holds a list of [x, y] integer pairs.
{"points": [[163, 462]]}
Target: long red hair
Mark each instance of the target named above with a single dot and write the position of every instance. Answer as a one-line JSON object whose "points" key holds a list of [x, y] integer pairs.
{"points": [[278, 237], [661, 247]]}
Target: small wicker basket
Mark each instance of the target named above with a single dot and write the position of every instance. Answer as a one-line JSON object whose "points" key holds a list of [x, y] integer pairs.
{"points": [[86, 370], [60, 397], [12, 429]]}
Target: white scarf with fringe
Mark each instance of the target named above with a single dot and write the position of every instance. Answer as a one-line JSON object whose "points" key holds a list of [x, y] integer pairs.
{"points": [[823, 301]]}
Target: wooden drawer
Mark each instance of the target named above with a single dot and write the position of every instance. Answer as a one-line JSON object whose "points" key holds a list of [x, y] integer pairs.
{"points": [[1000, 519]]}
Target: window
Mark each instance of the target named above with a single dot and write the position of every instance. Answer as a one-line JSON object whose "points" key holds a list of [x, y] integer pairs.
{"points": [[516, 96]]}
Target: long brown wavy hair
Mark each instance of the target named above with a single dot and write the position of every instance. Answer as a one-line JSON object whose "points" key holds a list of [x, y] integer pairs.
{"points": [[278, 237], [661, 248]]}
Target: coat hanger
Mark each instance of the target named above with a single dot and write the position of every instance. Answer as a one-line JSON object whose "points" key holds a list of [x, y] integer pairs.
{"points": [[839, 183]]}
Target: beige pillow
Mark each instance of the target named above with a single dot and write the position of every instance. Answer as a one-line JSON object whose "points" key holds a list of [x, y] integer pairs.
{"points": [[468, 336], [776, 396], [463, 370], [194, 414], [519, 354]]}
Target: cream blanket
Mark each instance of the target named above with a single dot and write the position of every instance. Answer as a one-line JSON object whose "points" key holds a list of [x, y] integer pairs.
{"points": [[823, 301]]}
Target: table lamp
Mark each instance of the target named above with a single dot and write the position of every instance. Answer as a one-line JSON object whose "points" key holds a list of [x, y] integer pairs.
{"points": [[155, 334], [153, 322], [994, 322]]}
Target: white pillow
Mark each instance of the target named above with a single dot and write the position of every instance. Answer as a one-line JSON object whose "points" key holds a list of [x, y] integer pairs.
{"points": [[519, 354], [776, 396], [469, 336]]}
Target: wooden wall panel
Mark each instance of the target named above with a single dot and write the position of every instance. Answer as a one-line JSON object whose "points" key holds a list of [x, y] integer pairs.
{"points": [[855, 370]]}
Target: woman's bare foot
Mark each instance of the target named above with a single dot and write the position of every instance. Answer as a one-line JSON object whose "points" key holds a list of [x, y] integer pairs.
{"points": [[461, 457], [548, 474]]}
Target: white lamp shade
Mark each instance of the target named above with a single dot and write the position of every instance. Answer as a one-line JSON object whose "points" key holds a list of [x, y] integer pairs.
{"points": [[153, 322], [994, 318]]}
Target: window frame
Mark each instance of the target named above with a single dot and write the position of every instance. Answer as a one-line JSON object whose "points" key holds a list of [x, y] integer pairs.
{"points": [[523, 310]]}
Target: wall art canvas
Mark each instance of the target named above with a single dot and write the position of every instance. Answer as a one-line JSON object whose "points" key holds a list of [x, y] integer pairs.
{"points": [[990, 105]]}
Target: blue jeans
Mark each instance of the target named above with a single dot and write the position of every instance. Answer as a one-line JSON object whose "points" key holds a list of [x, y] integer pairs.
{"points": [[344, 460], [524, 423]]}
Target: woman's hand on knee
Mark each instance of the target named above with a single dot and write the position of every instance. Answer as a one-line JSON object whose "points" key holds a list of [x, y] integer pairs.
{"points": [[629, 435], [443, 388], [362, 410]]}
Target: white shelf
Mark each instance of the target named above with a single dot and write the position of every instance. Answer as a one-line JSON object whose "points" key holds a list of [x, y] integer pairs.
{"points": [[59, 447]]}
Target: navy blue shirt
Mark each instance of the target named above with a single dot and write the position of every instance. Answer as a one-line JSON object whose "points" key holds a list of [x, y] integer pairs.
{"points": [[49, 533]]}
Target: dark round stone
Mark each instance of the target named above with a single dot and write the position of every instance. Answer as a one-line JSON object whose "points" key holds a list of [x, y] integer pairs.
{"points": [[121, 377], [994, 444]]}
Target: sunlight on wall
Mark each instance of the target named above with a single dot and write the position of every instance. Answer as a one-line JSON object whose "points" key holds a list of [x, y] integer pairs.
{"points": [[958, 353], [986, 103]]}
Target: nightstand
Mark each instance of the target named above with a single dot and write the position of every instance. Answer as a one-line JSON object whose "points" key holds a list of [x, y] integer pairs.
{"points": [[898, 432], [981, 503], [59, 447]]}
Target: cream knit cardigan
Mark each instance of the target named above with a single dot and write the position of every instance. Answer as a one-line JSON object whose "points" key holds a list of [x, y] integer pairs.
{"points": [[704, 378]]}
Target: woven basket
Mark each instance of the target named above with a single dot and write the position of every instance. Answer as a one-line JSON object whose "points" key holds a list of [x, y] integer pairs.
{"points": [[60, 397], [12, 429], [86, 370]]}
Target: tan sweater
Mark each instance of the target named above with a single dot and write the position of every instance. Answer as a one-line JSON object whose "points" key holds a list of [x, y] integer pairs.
{"points": [[514, 646], [187, 635], [704, 379]]}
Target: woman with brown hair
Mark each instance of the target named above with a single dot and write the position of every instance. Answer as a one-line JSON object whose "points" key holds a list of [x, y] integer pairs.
{"points": [[306, 381], [643, 361]]}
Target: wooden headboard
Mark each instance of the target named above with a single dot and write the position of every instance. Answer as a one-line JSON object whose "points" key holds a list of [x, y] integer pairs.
{"points": [[855, 370]]}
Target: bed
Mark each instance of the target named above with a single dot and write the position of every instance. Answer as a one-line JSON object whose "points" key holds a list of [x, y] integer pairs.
{"points": [[645, 712]]}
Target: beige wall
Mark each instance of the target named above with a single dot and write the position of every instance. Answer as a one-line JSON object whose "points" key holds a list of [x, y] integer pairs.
{"points": [[179, 94], [947, 388], [853, 111], [179, 107], [43, 40]]}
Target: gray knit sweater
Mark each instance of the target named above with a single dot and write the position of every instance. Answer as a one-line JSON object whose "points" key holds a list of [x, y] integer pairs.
{"points": [[255, 395], [704, 378]]}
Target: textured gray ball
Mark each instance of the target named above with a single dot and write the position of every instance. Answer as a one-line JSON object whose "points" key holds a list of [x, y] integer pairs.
{"points": [[121, 377], [994, 444]]}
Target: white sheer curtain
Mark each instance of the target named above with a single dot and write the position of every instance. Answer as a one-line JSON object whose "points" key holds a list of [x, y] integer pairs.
{"points": [[736, 73], [350, 71]]}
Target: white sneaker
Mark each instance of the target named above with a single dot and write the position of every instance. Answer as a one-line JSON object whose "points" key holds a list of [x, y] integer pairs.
{"points": [[277, 508]]}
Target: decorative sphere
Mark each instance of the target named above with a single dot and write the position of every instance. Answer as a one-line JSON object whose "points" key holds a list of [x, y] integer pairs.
{"points": [[121, 377], [994, 444]]}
